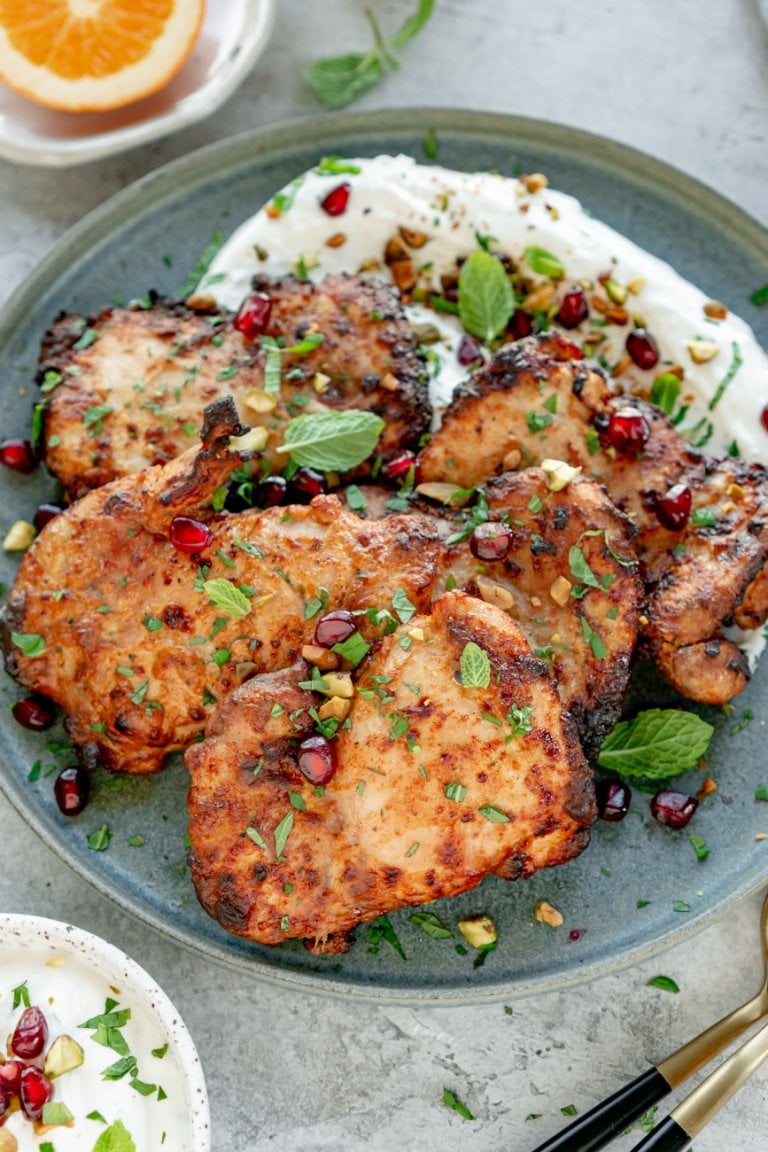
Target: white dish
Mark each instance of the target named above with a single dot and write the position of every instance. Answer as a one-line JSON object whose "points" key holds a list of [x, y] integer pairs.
{"points": [[233, 36], [70, 973]]}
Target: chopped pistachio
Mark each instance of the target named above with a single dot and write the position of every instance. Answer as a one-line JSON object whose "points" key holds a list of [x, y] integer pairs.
{"points": [[321, 383], [493, 593], [255, 440], [535, 182], [541, 297], [560, 590], [558, 474], [337, 684], [479, 931], [444, 493], [19, 537], [390, 383], [416, 633], [322, 658], [546, 914], [337, 708], [259, 401], [63, 1056], [701, 351]]}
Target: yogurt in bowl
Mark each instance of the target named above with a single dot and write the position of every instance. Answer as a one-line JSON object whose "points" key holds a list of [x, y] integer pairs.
{"points": [[96, 1055]]}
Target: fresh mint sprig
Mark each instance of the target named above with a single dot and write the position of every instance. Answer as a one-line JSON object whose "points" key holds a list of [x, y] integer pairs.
{"points": [[656, 744], [338, 80]]}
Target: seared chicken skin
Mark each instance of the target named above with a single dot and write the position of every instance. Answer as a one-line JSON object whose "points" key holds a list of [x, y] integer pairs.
{"points": [[437, 785], [141, 637], [537, 399], [127, 388]]}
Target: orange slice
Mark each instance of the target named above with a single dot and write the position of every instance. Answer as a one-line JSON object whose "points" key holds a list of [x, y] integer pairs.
{"points": [[92, 55]]}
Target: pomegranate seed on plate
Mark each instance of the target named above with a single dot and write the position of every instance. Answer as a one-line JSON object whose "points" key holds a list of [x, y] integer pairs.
{"points": [[490, 541], [10, 1078], [625, 430], [468, 351], [44, 514], [642, 348], [34, 712], [521, 324], [399, 466], [36, 1091], [764, 417], [317, 759], [613, 799], [18, 455], [71, 790], [674, 809], [673, 509], [574, 308], [30, 1034], [272, 491], [253, 315], [335, 203], [309, 482], [334, 628], [189, 535]]}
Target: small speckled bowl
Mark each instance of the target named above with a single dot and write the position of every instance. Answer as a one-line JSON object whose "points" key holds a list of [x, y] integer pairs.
{"points": [[112, 967]]}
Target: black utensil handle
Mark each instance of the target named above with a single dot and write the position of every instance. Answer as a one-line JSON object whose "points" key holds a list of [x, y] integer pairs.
{"points": [[595, 1128], [666, 1137]]}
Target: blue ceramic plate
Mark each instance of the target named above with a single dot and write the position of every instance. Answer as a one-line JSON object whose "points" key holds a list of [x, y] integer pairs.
{"points": [[119, 250]]}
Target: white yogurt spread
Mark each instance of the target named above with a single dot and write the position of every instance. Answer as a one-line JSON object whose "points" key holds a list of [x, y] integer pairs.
{"points": [[69, 991], [453, 208], [725, 394]]}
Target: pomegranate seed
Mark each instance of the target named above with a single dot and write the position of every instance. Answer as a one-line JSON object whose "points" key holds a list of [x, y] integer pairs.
{"points": [[468, 351], [624, 430], [335, 203], [674, 809], [613, 799], [10, 1078], [189, 535], [5, 1103], [272, 491], [674, 508], [574, 308], [576, 934], [253, 315], [521, 324], [34, 712], [317, 759], [399, 466], [18, 455], [490, 541], [36, 1091], [764, 417], [30, 1034], [44, 514], [642, 348], [308, 482], [71, 790], [334, 628]]}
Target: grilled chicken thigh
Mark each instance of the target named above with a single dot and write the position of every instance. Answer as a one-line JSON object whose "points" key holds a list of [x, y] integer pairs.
{"points": [[142, 637], [702, 570], [437, 784], [127, 388]]}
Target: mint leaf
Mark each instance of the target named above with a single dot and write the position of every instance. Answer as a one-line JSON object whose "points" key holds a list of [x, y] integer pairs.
{"points": [[413, 24], [29, 643], [432, 925], [402, 606], [665, 983], [656, 744], [338, 80], [543, 263], [475, 667], [451, 1100], [580, 569], [665, 391], [759, 297], [493, 815], [486, 300], [257, 838], [282, 832], [227, 596], [98, 841], [200, 267], [332, 441], [116, 1138], [354, 648], [381, 929]]}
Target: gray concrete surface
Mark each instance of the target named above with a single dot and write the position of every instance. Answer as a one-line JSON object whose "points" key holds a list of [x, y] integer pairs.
{"points": [[688, 83]]}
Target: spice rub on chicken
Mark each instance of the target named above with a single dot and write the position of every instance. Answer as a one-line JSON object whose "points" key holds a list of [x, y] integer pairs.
{"points": [[445, 769], [702, 523], [127, 388], [138, 608], [560, 561]]}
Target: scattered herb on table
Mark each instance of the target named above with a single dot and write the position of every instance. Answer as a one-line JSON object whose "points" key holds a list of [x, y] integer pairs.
{"points": [[663, 983], [451, 1100], [338, 80]]}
